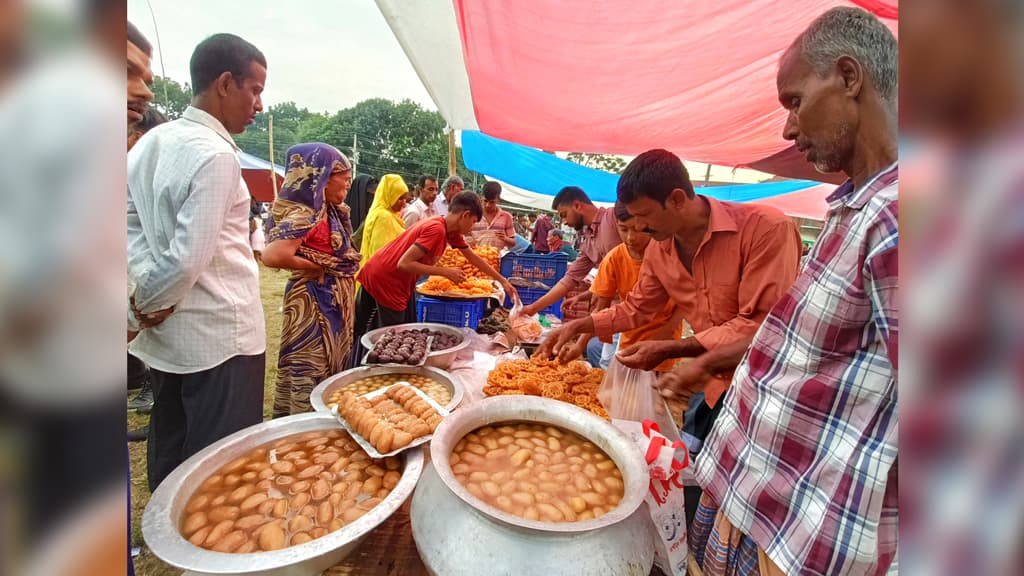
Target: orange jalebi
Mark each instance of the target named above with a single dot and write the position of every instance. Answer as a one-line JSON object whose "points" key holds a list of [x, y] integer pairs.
{"points": [[453, 258], [471, 287], [575, 382]]}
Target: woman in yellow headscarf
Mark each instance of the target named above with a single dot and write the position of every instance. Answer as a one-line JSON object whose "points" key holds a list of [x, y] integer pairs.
{"points": [[384, 222]]}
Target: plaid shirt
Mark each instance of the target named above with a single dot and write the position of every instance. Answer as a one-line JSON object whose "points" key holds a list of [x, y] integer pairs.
{"points": [[803, 457]]}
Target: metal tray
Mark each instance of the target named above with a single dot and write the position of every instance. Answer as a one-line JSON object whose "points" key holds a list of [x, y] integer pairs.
{"points": [[318, 398], [442, 359], [365, 443]]}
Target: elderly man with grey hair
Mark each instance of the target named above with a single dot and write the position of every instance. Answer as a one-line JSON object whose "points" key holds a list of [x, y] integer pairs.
{"points": [[799, 471], [451, 188]]}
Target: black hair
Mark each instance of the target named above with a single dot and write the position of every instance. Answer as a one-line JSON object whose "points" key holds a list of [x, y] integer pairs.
{"points": [[492, 190], [151, 118], [654, 174], [556, 232], [568, 195], [423, 180], [621, 214], [467, 202], [222, 53], [136, 37]]}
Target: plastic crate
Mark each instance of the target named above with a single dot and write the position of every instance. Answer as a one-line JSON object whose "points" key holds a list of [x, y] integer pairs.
{"points": [[546, 268], [457, 313], [531, 295]]}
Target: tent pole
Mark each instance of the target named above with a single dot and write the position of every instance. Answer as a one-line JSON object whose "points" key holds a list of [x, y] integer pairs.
{"points": [[451, 151], [273, 170]]}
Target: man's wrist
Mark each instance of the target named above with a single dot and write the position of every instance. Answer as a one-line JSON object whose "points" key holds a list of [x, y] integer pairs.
{"points": [[133, 323]]}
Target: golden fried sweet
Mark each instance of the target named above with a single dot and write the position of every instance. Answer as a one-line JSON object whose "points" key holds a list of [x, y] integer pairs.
{"points": [[391, 421], [285, 493], [575, 383], [538, 472]]}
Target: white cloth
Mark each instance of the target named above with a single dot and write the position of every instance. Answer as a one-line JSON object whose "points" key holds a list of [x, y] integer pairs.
{"points": [[188, 247], [417, 211], [440, 206], [62, 269]]}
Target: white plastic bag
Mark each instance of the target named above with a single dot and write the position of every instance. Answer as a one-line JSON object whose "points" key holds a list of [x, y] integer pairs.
{"points": [[666, 460], [526, 328], [629, 394]]}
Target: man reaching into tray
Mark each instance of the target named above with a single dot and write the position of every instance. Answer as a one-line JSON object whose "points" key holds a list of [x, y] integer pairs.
{"points": [[389, 278], [724, 264]]}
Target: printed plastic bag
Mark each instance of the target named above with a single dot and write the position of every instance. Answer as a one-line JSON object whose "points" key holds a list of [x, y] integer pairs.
{"points": [[666, 460], [629, 394]]}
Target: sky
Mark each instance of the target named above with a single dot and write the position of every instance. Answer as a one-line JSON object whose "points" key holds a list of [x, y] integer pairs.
{"points": [[324, 55]]}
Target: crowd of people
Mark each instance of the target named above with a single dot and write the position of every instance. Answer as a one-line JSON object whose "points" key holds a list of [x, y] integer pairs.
{"points": [[788, 368]]}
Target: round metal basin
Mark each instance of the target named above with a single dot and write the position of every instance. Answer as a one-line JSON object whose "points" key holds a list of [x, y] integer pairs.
{"points": [[164, 512], [472, 537], [318, 397], [442, 359]]}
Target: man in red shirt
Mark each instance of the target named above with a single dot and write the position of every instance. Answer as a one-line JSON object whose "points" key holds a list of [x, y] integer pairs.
{"points": [[389, 278]]}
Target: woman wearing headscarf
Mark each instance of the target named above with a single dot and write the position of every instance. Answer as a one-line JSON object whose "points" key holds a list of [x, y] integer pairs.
{"points": [[359, 199], [384, 222], [310, 234]]}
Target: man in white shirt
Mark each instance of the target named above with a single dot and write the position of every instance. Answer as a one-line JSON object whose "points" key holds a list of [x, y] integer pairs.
{"points": [[188, 249], [452, 187], [423, 207]]}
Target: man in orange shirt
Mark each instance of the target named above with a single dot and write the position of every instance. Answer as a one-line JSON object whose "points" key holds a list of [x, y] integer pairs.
{"points": [[618, 273], [724, 264]]}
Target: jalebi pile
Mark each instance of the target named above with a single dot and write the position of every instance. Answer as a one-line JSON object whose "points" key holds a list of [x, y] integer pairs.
{"points": [[471, 287], [453, 258], [575, 383]]}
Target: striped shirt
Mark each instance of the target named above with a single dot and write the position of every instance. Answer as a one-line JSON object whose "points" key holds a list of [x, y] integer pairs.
{"points": [[803, 457]]}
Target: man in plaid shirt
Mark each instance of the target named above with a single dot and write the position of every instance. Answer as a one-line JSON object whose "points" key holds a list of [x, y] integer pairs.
{"points": [[799, 472]]}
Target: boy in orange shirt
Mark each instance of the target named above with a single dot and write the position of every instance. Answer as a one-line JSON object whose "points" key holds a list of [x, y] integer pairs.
{"points": [[618, 273]]}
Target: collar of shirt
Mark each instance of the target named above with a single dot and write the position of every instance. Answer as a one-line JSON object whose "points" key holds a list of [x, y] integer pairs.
{"points": [[602, 214], [719, 219], [857, 198], [206, 119]]}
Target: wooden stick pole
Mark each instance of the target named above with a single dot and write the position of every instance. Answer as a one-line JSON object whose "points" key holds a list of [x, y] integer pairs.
{"points": [[273, 168]]}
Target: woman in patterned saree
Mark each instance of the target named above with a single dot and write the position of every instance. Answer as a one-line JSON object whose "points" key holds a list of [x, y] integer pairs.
{"points": [[310, 234]]}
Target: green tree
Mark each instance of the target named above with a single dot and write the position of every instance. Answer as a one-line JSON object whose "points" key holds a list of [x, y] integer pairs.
{"points": [[288, 121], [605, 162], [400, 138], [169, 97]]}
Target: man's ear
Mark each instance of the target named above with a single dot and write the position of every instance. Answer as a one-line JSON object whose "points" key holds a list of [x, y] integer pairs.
{"points": [[222, 82], [677, 198], [851, 73]]}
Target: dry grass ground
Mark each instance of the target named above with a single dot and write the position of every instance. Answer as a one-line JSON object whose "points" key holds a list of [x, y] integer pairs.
{"points": [[272, 291]]}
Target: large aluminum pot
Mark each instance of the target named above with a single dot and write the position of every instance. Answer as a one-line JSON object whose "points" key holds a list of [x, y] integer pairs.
{"points": [[456, 533], [318, 397], [442, 359], [164, 512]]}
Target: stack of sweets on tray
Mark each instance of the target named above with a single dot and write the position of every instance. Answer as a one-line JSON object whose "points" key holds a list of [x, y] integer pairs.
{"points": [[391, 421]]}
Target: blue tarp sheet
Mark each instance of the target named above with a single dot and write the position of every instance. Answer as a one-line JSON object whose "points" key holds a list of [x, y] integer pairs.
{"points": [[546, 174]]}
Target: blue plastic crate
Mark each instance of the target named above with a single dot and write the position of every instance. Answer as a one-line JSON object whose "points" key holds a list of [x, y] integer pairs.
{"points": [[531, 295], [457, 313], [546, 268]]}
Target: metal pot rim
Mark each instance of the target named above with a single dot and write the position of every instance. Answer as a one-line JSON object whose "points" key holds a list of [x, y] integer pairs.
{"points": [[161, 533], [318, 403], [370, 337], [509, 408]]}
